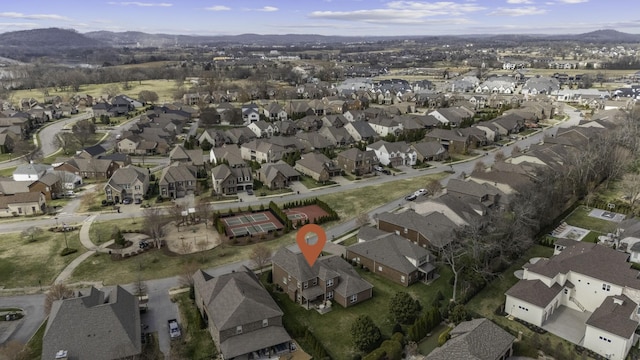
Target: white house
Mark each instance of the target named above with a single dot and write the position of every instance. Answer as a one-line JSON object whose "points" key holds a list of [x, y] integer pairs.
{"points": [[30, 172], [588, 278], [261, 128], [395, 154], [385, 126]]}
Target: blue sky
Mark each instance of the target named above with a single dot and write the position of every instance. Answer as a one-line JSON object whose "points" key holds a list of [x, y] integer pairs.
{"points": [[326, 17]]}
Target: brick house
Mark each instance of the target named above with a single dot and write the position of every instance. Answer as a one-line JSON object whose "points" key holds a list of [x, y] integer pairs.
{"points": [[178, 180], [356, 161], [241, 316], [228, 180], [317, 166], [277, 176], [127, 182], [434, 229], [330, 278], [392, 257]]}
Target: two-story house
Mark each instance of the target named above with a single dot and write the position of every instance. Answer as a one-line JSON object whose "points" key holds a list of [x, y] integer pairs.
{"points": [[356, 161], [394, 153], [275, 112], [229, 180], [330, 278], [243, 319], [250, 113], [591, 284], [392, 256], [317, 166], [278, 175], [261, 128], [127, 182], [178, 180], [434, 229]]}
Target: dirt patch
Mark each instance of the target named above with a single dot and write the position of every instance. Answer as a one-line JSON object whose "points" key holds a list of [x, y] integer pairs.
{"points": [[191, 238]]}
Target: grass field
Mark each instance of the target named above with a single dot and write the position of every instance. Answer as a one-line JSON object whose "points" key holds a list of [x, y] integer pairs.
{"points": [[33, 349], [24, 263], [580, 218], [196, 342], [309, 183], [164, 89], [332, 329]]}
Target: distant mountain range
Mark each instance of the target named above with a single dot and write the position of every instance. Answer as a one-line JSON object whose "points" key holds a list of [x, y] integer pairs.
{"points": [[55, 37]]}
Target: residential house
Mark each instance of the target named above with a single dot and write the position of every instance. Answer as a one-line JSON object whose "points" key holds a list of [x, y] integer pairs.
{"points": [[454, 140], [317, 166], [50, 185], [240, 135], [429, 151], [285, 128], [191, 157], [392, 257], [470, 190], [243, 319], [384, 126], [309, 123], [228, 180], [361, 131], [121, 160], [275, 112], [336, 121], [508, 124], [90, 168], [215, 137], [330, 278], [461, 212], [7, 143], [30, 172], [262, 151], [478, 339], [338, 137], [453, 116], [96, 324], [394, 153], [434, 229], [21, 204], [278, 175], [250, 113], [314, 141], [127, 182], [91, 152], [261, 128], [229, 154], [589, 281], [178, 180], [356, 161], [354, 115]]}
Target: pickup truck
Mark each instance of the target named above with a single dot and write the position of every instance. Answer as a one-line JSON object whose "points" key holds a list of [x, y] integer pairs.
{"points": [[174, 329]]}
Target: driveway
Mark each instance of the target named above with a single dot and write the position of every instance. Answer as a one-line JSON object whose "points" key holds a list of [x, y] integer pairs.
{"points": [[568, 324], [22, 330]]}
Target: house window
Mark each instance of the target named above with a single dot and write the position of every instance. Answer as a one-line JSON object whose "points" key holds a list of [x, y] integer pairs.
{"points": [[353, 298], [330, 295], [314, 282], [265, 322], [406, 230], [238, 330], [137, 187], [19, 210], [299, 285], [306, 284], [566, 291], [33, 209], [402, 278], [379, 268], [330, 282], [284, 280], [606, 287]]}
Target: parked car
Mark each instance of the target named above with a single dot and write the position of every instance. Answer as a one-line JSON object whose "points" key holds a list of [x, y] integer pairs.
{"points": [[249, 192], [420, 192], [127, 201], [411, 197], [137, 201], [378, 168], [174, 329]]}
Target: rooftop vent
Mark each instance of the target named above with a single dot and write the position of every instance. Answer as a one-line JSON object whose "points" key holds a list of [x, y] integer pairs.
{"points": [[618, 301]]}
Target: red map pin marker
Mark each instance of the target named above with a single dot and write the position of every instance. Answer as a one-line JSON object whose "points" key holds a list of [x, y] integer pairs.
{"points": [[311, 251]]}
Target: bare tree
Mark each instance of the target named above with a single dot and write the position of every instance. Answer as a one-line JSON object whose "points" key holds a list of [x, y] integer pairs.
{"points": [[154, 225], [499, 156], [140, 288], [363, 219], [111, 90], [452, 254], [175, 212], [83, 131], [434, 187], [56, 292], [27, 150], [479, 166], [189, 268], [148, 96], [260, 255], [630, 186], [12, 350], [204, 211], [32, 232]]}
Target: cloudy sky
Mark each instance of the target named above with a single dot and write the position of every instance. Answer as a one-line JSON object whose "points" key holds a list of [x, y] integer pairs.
{"points": [[326, 17]]}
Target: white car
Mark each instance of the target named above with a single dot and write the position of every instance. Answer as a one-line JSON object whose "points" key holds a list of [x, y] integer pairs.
{"points": [[420, 192]]}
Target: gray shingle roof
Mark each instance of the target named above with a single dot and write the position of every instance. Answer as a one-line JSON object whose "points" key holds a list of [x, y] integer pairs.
{"points": [[478, 339], [614, 316], [436, 227], [99, 325], [392, 251], [534, 292], [178, 172], [127, 175]]}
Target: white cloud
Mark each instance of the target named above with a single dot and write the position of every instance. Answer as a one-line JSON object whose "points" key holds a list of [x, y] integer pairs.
{"points": [[218, 8], [519, 2], [16, 15], [141, 4], [268, 9], [573, 1], [17, 24], [521, 11], [405, 12]]}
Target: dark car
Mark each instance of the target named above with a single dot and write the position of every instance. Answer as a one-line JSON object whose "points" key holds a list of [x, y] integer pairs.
{"points": [[249, 192], [127, 201], [138, 201]]}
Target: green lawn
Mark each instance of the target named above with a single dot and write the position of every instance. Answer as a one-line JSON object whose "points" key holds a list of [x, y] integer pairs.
{"points": [[24, 263], [580, 218], [33, 349], [309, 183], [264, 191], [7, 172], [350, 241], [196, 342], [332, 329]]}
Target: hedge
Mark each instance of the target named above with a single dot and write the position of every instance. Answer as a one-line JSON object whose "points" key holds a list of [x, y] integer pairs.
{"points": [[278, 213], [424, 324], [388, 350], [444, 336]]}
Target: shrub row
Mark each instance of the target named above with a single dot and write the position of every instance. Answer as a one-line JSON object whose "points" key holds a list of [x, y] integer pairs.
{"points": [[424, 324], [280, 215], [389, 349]]}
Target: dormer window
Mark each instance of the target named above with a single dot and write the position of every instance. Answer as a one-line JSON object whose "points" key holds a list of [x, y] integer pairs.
{"points": [[238, 330]]}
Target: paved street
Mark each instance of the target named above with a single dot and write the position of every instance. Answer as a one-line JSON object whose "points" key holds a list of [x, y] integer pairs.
{"points": [[160, 306]]}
